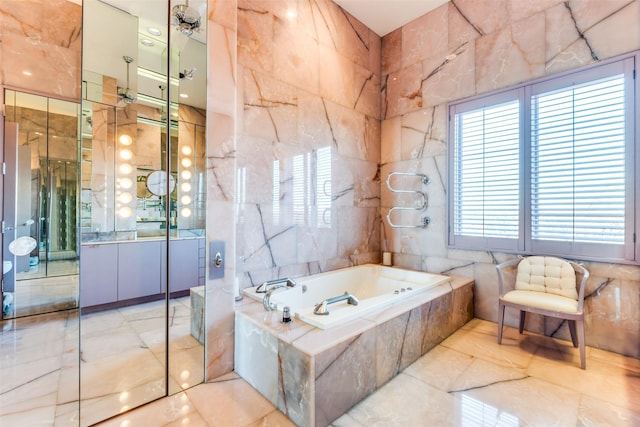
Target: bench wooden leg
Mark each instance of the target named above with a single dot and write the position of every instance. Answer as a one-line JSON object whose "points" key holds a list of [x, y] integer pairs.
{"points": [[583, 357], [572, 331], [500, 321], [523, 315]]}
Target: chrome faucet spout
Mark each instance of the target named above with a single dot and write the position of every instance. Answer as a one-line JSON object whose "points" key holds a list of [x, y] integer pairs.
{"points": [[266, 300], [322, 310], [264, 286]]}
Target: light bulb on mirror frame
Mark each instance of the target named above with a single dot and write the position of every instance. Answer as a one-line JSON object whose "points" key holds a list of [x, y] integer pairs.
{"points": [[126, 154], [126, 183], [185, 200], [125, 197], [126, 168], [186, 150], [185, 174], [125, 212], [186, 162], [125, 139], [185, 186], [185, 212]]}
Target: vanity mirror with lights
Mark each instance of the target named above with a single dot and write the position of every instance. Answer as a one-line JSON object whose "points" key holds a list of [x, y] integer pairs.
{"points": [[142, 202]]}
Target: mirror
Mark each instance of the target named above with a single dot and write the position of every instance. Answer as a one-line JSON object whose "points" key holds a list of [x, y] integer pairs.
{"points": [[142, 202], [157, 183], [40, 209]]}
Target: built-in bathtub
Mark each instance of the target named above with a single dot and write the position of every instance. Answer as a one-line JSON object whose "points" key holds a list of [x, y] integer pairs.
{"points": [[314, 375], [374, 286]]}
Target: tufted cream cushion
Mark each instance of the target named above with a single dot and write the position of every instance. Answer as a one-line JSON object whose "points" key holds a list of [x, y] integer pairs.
{"points": [[542, 300], [547, 274]]}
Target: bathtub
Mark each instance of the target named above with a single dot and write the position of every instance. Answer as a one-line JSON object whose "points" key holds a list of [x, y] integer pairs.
{"points": [[375, 286]]}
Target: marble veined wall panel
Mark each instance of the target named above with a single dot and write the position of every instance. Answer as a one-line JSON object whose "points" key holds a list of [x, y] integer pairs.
{"points": [[221, 119], [308, 143], [43, 39], [479, 47]]}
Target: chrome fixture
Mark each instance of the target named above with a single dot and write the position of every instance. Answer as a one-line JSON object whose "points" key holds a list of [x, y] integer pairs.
{"points": [[422, 200], [321, 308], [262, 289], [127, 96], [187, 74], [24, 224], [286, 314], [266, 301], [185, 18]]}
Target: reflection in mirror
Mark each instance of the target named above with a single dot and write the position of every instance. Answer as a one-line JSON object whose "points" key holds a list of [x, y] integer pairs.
{"points": [[40, 189], [187, 159], [142, 205]]}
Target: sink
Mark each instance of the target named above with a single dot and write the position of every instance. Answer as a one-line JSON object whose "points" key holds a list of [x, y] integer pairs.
{"points": [[6, 266]]}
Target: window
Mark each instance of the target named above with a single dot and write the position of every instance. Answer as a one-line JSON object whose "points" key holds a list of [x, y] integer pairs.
{"points": [[548, 167]]}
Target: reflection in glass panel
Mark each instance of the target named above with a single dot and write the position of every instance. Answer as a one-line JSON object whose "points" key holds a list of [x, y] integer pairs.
{"points": [[143, 206], [187, 220], [43, 193]]}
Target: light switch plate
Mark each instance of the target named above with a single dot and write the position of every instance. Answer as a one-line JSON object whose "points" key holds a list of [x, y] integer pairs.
{"points": [[216, 259]]}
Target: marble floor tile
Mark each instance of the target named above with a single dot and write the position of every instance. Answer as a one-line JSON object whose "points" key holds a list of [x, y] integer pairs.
{"points": [[176, 410], [480, 340], [595, 412], [404, 401], [230, 401], [467, 380], [622, 384]]}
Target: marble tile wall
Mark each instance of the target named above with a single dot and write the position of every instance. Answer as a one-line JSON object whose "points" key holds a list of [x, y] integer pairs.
{"points": [[50, 53], [308, 140], [466, 48], [220, 167], [42, 37]]}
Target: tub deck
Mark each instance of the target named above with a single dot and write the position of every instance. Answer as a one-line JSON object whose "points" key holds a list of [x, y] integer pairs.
{"points": [[313, 375], [375, 286]]}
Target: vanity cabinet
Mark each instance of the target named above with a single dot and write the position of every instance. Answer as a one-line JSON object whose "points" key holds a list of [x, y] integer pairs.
{"points": [[184, 270], [98, 274], [120, 271], [139, 269]]}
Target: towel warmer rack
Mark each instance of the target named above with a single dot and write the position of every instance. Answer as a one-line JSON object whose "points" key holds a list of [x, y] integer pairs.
{"points": [[422, 198]]}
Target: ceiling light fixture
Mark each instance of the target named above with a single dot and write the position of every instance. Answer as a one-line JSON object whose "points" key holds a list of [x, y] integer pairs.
{"points": [[186, 19], [127, 96]]}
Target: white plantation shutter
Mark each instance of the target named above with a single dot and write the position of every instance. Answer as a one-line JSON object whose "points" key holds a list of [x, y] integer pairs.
{"points": [[578, 163], [486, 177], [549, 167]]}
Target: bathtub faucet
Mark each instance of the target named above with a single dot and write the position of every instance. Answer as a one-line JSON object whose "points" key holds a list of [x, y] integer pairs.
{"points": [[263, 287], [321, 309], [266, 300]]}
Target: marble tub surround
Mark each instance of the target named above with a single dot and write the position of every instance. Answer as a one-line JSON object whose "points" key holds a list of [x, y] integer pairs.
{"points": [[313, 376], [480, 47]]}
